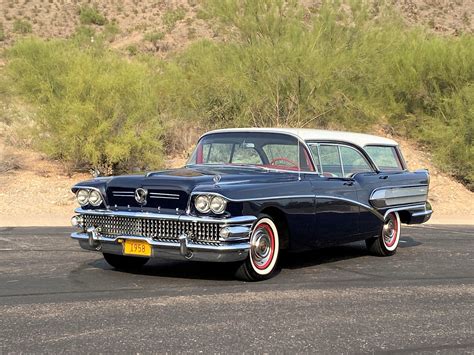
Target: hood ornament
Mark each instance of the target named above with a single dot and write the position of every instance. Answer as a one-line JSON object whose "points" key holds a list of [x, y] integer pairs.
{"points": [[216, 179], [140, 196]]}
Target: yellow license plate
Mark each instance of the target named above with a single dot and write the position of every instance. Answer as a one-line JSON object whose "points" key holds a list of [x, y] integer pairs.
{"points": [[136, 247]]}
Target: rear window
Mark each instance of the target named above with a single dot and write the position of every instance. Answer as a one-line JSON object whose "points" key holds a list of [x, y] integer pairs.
{"points": [[386, 158]]}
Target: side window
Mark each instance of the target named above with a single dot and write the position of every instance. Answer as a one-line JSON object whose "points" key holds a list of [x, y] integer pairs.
{"points": [[330, 162], [385, 157], [353, 161]]}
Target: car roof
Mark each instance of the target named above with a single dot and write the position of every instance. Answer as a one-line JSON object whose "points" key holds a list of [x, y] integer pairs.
{"points": [[306, 134]]}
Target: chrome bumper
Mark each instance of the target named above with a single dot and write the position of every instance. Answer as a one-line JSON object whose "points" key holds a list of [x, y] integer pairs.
{"points": [[233, 246]]}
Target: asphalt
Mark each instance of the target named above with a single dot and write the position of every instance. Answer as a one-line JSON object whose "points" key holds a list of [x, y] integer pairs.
{"points": [[56, 298]]}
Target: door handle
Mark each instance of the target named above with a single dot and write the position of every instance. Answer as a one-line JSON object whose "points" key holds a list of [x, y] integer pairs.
{"points": [[348, 183], [384, 177]]}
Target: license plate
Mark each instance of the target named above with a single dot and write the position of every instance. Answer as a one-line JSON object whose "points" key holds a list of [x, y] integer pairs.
{"points": [[136, 247]]}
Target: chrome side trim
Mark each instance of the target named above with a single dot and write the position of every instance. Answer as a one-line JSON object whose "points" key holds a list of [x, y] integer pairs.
{"points": [[398, 195], [370, 208], [248, 199]]}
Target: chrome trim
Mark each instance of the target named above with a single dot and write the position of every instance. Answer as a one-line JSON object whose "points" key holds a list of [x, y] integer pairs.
{"points": [[164, 195], [219, 247], [370, 208], [168, 250], [340, 160], [422, 213], [404, 208], [398, 195], [340, 144], [235, 233], [91, 188], [183, 218], [249, 199]]}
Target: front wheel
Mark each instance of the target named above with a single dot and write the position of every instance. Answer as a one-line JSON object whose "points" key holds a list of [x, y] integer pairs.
{"points": [[387, 242], [126, 263], [264, 250]]}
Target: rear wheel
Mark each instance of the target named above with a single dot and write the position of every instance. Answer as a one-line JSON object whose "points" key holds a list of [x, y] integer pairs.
{"points": [[261, 263], [387, 242], [126, 263]]}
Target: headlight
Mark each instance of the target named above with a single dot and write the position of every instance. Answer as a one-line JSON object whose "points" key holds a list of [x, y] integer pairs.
{"points": [[95, 198], [82, 197], [202, 203], [218, 205]]}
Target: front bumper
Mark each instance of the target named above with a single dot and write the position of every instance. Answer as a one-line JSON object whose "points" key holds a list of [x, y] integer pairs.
{"points": [[232, 245]]}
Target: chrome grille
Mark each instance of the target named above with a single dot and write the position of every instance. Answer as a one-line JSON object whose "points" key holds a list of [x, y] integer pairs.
{"points": [[158, 229]]}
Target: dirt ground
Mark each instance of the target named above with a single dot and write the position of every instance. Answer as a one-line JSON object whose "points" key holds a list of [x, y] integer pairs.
{"points": [[35, 191]]}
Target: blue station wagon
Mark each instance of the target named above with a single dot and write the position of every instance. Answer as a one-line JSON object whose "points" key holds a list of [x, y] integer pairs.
{"points": [[247, 194]]}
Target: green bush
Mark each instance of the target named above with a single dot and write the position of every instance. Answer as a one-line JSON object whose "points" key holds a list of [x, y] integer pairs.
{"points": [[154, 37], [333, 69], [94, 108], [22, 26], [89, 15], [280, 65]]}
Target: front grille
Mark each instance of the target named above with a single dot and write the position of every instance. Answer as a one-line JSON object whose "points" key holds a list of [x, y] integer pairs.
{"points": [[158, 229], [162, 198]]}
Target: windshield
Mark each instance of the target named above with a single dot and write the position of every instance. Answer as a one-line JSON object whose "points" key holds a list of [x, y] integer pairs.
{"points": [[266, 150]]}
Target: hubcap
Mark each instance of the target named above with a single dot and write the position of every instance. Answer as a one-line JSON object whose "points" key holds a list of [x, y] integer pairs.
{"points": [[262, 246], [390, 231]]}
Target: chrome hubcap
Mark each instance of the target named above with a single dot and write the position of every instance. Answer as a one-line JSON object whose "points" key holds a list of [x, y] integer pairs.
{"points": [[389, 231], [261, 247]]}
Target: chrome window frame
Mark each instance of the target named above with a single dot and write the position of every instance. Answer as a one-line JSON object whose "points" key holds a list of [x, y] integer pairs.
{"points": [[370, 163]]}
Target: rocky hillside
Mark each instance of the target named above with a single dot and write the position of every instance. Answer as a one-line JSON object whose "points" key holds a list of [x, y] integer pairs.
{"points": [[161, 26]]}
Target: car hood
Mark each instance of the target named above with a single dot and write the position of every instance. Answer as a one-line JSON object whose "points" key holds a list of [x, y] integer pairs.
{"points": [[171, 188]]}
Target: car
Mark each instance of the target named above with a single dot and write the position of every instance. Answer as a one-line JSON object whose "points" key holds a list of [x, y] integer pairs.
{"points": [[247, 194]]}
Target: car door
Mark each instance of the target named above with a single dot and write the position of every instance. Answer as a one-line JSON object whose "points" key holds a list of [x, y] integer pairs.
{"points": [[336, 209]]}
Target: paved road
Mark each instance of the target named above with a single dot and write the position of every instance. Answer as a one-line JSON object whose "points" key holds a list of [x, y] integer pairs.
{"points": [[56, 298]]}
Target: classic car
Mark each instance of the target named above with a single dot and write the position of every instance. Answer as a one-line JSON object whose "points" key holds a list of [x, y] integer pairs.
{"points": [[247, 194]]}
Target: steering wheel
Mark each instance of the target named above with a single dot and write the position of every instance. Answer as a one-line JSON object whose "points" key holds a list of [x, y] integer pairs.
{"points": [[272, 162]]}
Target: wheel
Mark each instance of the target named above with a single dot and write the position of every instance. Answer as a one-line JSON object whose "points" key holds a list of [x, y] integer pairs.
{"points": [[264, 250], [387, 242], [122, 262]]}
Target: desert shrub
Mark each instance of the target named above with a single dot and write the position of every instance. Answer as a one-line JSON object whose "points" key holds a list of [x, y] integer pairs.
{"points": [[22, 26], [352, 69], [111, 30], [94, 108], [132, 50], [89, 15], [170, 17], [154, 37]]}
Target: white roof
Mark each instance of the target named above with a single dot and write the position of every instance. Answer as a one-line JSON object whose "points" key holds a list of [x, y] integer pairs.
{"points": [[307, 134]]}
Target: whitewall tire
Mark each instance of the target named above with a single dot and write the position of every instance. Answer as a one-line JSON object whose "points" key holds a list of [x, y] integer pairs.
{"points": [[262, 261], [386, 243]]}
